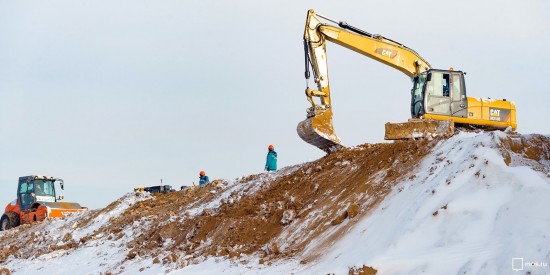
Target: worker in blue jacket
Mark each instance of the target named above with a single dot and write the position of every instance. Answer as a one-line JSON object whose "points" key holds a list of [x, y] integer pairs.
{"points": [[271, 160], [203, 179]]}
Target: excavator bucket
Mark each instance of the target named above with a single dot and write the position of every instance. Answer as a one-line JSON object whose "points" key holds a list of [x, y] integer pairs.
{"points": [[319, 132], [419, 129]]}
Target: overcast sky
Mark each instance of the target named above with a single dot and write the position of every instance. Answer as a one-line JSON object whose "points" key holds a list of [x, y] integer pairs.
{"points": [[111, 95]]}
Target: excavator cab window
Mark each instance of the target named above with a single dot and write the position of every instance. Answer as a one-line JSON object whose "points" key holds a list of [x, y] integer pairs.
{"points": [[439, 84], [456, 87], [417, 98], [437, 93], [446, 85]]}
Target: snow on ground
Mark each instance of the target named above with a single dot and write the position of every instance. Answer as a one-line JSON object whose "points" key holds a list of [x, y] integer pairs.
{"points": [[234, 187], [465, 212], [103, 217], [97, 254], [101, 253]]}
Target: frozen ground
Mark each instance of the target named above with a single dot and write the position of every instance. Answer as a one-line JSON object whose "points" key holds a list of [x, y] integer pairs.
{"points": [[461, 210]]}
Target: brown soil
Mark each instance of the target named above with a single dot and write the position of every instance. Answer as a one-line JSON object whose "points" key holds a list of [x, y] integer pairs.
{"points": [[364, 270], [344, 185], [341, 185], [527, 147], [276, 222]]}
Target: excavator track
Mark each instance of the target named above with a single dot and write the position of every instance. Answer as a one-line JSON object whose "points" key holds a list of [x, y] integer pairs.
{"points": [[318, 131], [419, 129]]}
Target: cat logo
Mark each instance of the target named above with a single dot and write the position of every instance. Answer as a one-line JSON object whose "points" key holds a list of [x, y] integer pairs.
{"points": [[499, 114], [494, 114], [386, 52]]}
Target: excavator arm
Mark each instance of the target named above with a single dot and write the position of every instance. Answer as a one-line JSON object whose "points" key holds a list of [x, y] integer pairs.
{"points": [[318, 129]]}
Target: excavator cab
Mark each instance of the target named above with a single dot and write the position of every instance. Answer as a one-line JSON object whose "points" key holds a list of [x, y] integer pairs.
{"points": [[439, 92], [443, 97], [437, 98]]}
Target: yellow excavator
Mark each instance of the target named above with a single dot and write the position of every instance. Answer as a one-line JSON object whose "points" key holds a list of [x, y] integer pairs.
{"points": [[438, 97]]}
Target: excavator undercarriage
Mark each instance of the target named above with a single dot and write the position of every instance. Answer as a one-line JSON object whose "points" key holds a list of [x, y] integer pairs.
{"points": [[318, 130], [419, 129]]}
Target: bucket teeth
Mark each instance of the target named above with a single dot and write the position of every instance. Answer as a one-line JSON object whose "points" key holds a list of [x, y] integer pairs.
{"points": [[319, 132], [418, 129]]}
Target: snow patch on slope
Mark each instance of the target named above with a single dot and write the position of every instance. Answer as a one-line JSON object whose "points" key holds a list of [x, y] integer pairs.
{"points": [[238, 189], [466, 211], [103, 218], [463, 212], [97, 254]]}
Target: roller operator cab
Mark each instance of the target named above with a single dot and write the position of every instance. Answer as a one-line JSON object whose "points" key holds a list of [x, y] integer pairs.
{"points": [[441, 94], [36, 200], [33, 189]]}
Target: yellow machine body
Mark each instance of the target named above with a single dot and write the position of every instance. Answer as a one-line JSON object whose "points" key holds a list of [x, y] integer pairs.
{"points": [[487, 113]]}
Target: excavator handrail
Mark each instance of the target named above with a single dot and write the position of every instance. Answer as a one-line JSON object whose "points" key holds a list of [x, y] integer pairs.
{"points": [[333, 34], [375, 46], [345, 25]]}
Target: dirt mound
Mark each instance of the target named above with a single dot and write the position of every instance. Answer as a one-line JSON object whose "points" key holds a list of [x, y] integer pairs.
{"points": [[531, 150], [365, 270], [278, 219], [27, 241], [269, 215]]}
